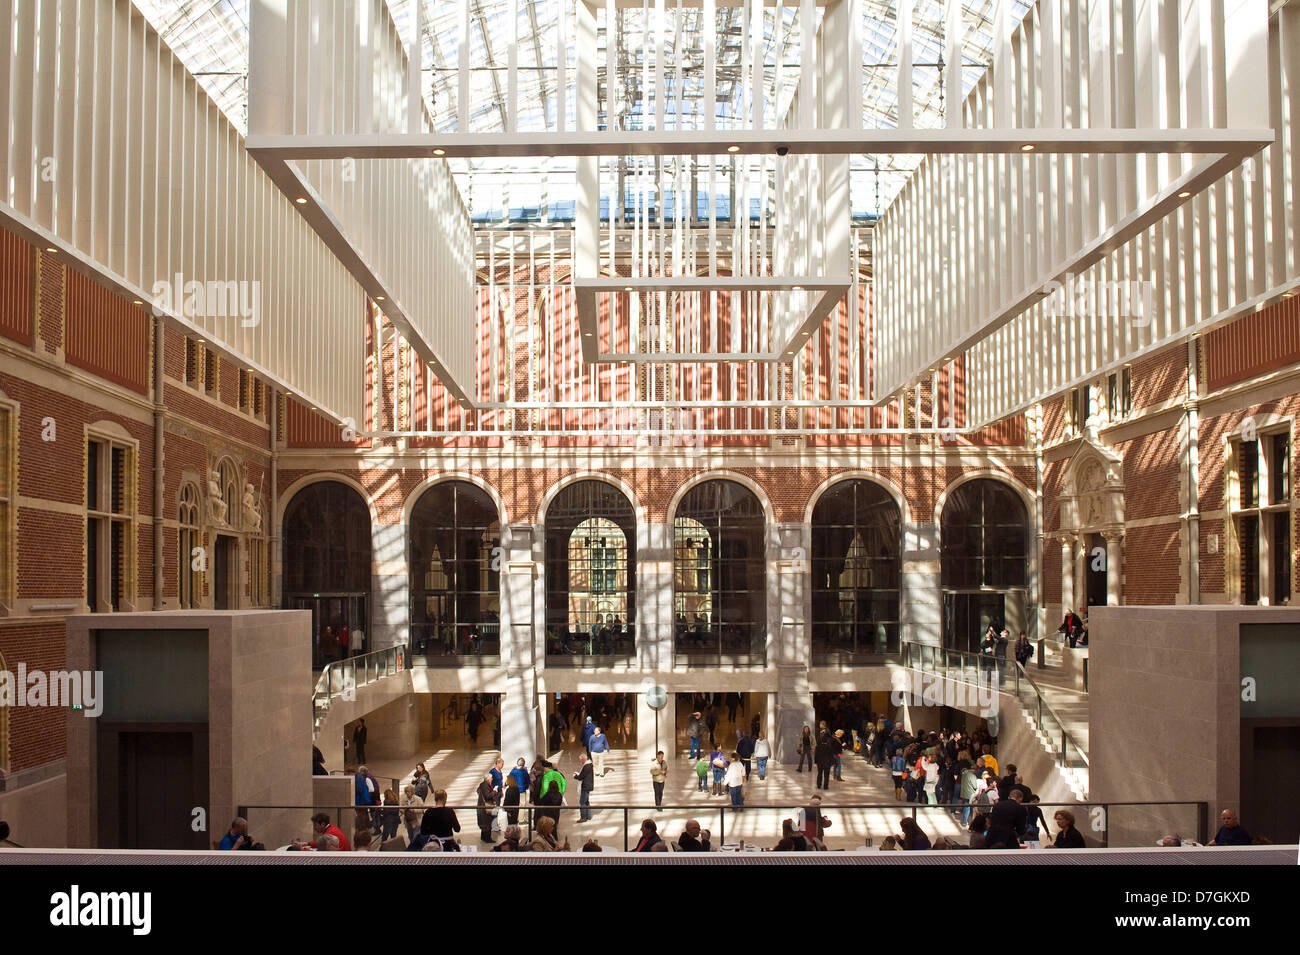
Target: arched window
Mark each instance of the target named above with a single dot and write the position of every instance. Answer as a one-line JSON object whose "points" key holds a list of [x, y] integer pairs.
{"points": [[455, 574], [720, 574], [590, 572], [984, 562], [327, 567], [855, 570], [189, 557]]}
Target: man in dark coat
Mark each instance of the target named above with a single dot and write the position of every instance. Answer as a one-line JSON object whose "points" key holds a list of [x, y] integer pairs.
{"points": [[1007, 823], [824, 759]]}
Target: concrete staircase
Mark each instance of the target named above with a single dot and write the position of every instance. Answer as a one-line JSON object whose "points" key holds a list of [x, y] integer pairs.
{"points": [[1068, 710]]}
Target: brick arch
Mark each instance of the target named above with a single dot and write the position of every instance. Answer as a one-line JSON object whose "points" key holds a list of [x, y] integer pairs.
{"points": [[745, 480]]}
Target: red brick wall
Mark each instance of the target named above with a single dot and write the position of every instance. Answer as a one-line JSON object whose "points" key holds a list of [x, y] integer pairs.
{"points": [[107, 335], [36, 733], [1151, 560], [16, 269]]}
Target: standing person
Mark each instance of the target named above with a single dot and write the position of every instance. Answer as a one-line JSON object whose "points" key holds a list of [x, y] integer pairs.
{"points": [[966, 796], [366, 789], [510, 798], [718, 760], [391, 817], [810, 821], [711, 724], [598, 746], [498, 776], [762, 753], [805, 749], [824, 757], [1004, 637], [487, 805], [735, 779], [473, 720], [658, 775], [550, 792], [520, 774], [1071, 627], [1024, 649], [588, 728], [702, 772], [695, 730], [745, 749], [421, 781], [555, 738], [412, 802], [586, 777], [1007, 822], [343, 644], [898, 770], [359, 741], [837, 751]]}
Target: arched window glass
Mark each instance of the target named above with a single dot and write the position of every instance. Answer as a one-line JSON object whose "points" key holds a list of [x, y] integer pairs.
{"points": [[590, 572], [856, 527], [327, 567], [189, 559], [984, 562], [455, 574], [720, 574]]}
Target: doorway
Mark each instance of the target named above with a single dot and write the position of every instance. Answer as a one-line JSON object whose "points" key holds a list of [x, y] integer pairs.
{"points": [[966, 617], [149, 782], [224, 552], [1095, 571]]}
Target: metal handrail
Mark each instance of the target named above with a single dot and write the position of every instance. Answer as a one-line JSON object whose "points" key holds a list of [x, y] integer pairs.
{"points": [[332, 681], [982, 662], [723, 812], [1043, 704]]}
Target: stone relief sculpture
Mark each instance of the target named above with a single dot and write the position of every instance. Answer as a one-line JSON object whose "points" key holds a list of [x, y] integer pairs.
{"points": [[216, 504], [252, 513]]}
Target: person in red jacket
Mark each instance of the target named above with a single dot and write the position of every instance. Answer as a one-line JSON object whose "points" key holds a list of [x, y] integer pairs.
{"points": [[320, 824]]}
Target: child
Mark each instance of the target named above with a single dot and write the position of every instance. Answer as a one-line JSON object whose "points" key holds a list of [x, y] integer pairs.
{"points": [[702, 771]]}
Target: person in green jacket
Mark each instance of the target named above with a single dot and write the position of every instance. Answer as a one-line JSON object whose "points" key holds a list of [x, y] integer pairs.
{"points": [[702, 771], [550, 792]]}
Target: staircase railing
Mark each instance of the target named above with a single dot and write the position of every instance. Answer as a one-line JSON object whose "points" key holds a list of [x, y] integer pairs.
{"points": [[344, 676], [1009, 677]]}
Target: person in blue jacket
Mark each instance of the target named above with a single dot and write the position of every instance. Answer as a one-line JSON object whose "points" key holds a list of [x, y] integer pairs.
{"points": [[587, 729], [598, 746]]}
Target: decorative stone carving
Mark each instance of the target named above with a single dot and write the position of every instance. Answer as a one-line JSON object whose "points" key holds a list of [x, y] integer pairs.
{"points": [[216, 504], [252, 515]]}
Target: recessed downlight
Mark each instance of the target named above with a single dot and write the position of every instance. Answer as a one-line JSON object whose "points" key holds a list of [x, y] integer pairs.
{"points": [[733, 148], [301, 200], [796, 288], [1027, 148], [439, 151], [50, 248], [627, 288], [380, 298], [136, 301], [1184, 194]]}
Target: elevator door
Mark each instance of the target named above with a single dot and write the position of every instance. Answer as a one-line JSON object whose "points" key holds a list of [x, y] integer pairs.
{"points": [[157, 786]]}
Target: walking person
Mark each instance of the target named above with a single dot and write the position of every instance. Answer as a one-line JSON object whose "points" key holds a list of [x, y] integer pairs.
{"points": [[735, 779], [805, 749], [658, 776], [586, 777], [695, 729], [745, 749], [598, 746], [510, 799], [359, 742], [412, 802], [837, 751], [762, 753]]}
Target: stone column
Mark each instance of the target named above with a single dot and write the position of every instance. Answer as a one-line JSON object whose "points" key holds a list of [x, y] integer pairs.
{"points": [[1067, 573], [390, 587], [645, 742], [521, 724], [1081, 569], [793, 709], [921, 586], [789, 642], [654, 598], [1114, 566]]}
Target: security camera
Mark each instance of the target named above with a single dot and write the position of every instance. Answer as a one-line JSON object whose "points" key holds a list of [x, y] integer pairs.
{"points": [[782, 149]]}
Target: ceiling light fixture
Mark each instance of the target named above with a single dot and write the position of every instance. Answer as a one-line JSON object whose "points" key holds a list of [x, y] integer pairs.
{"points": [[380, 298], [733, 148], [1027, 148], [136, 301], [439, 151], [627, 288], [301, 200], [50, 248], [1184, 194]]}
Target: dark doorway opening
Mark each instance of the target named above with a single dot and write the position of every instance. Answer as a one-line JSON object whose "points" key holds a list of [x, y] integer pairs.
{"points": [[966, 616], [223, 572], [1095, 564]]}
